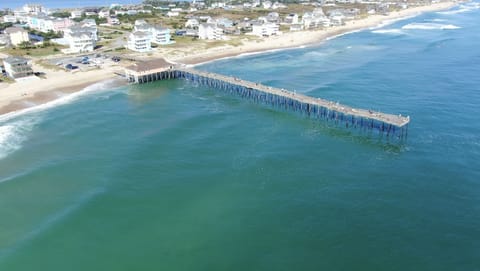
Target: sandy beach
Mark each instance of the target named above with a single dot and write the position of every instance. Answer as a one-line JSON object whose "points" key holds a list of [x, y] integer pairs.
{"points": [[35, 91], [28, 92], [303, 38]]}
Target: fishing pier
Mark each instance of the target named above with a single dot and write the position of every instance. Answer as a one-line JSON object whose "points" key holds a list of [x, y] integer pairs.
{"points": [[385, 124]]}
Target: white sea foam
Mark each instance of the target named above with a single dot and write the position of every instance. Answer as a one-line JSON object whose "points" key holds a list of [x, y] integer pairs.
{"points": [[392, 21], [430, 26], [68, 98], [462, 8], [394, 31], [435, 20], [13, 134]]}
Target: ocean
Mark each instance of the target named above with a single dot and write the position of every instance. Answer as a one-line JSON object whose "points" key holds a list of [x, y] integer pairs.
{"points": [[173, 176]]}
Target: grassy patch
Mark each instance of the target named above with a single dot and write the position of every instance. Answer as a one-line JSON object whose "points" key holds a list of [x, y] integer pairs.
{"points": [[47, 65], [35, 52], [5, 79]]}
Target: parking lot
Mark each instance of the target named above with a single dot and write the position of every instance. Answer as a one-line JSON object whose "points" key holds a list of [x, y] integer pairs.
{"points": [[84, 62]]}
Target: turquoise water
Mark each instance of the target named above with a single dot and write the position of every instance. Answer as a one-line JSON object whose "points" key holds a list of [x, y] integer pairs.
{"points": [[170, 176]]}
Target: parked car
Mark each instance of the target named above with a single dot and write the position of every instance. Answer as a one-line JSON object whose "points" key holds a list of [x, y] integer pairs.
{"points": [[70, 67]]}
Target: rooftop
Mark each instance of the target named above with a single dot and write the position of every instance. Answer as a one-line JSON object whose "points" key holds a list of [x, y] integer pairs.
{"points": [[148, 65], [11, 30], [15, 60]]}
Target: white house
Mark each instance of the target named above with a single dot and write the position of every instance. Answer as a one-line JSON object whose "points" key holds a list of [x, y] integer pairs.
{"points": [[21, 15], [210, 32], [192, 23], [291, 18], [17, 67], [267, 4], [296, 27], [9, 19], [35, 9], [120, 12], [17, 35], [173, 13], [139, 41], [155, 34], [113, 21], [81, 42], [104, 13], [161, 35], [278, 5], [76, 14], [265, 29], [314, 20]]}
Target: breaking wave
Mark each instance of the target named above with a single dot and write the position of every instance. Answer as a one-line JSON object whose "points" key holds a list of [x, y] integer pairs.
{"points": [[16, 126], [461, 9], [12, 135], [430, 26], [393, 31]]}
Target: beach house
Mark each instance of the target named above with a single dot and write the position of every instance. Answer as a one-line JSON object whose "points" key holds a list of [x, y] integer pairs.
{"points": [[17, 67], [34, 9], [291, 18], [104, 13], [156, 34], [81, 42], [45, 24], [192, 23], [265, 29], [16, 35], [9, 19], [266, 4], [76, 14], [210, 32], [139, 41]]}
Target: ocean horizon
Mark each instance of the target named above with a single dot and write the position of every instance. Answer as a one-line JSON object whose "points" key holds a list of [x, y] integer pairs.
{"points": [[174, 176]]}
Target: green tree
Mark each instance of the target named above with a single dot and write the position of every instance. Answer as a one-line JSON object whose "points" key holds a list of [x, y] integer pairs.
{"points": [[25, 45]]}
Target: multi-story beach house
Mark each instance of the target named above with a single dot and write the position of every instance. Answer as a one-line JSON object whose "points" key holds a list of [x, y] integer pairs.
{"points": [[16, 35], [45, 23], [266, 4], [192, 23], [81, 42], [21, 15], [155, 34], [139, 41], [315, 19], [210, 32], [265, 29], [113, 21], [17, 67], [35, 9], [9, 19], [161, 35], [81, 37], [76, 14], [291, 18], [104, 13]]}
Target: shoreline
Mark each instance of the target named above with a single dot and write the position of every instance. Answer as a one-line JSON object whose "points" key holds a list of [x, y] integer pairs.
{"points": [[34, 92], [309, 38]]}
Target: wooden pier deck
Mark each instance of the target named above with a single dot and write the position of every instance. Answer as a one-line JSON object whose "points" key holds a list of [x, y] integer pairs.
{"points": [[396, 120], [389, 124]]}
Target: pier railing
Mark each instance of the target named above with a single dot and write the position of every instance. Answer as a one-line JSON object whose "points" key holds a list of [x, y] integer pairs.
{"points": [[390, 125]]}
